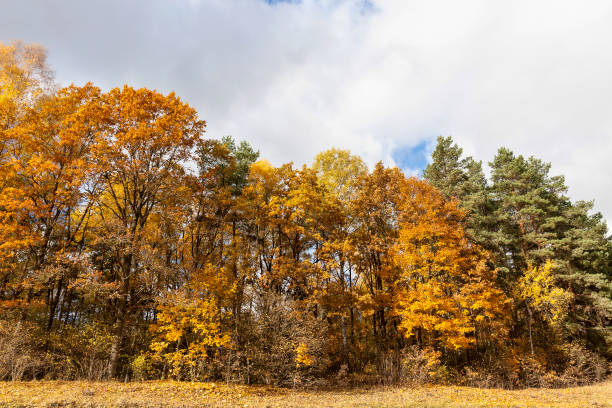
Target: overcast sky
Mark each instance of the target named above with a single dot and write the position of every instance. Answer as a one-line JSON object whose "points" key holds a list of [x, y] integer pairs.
{"points": [[382, 78]]}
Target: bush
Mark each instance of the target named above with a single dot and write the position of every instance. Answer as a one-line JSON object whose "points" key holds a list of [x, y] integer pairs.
{"points": [[79, 352], [533, 373], [19, 358], [71, 353], [500, 372], [281, 347], [582, 366], [146, 367], [421, 366]]}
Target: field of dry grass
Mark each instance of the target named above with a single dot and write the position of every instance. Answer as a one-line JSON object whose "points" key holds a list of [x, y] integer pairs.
{"points": [[177, 394]]}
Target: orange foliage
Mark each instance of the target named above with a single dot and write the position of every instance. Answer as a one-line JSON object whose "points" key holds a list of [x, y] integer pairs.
{"points": [[446, 292]]}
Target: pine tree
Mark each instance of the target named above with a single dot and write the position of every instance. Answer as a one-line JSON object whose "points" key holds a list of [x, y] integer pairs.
{"points": [[463, 178], [535, 222], [585, 269]]}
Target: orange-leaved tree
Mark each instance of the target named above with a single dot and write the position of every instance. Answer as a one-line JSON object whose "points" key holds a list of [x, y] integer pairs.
{"points": [[374, 211], [446, 295], [25, 79], [139, 156]]}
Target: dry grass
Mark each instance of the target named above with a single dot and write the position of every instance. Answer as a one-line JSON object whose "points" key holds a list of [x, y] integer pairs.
{"points": [[177, 394]]}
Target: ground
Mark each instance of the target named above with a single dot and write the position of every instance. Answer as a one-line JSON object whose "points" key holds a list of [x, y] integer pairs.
{"points": [[183, 394]]}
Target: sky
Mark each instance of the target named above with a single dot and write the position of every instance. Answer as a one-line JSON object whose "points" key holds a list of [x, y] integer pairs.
{"points": [[382, 78]]}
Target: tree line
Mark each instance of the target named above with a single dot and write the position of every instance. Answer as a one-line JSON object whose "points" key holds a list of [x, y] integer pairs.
{"points": [[133, 247]]}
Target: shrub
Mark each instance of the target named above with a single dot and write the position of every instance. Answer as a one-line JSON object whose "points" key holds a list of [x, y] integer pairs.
{"points": [[145, 367], [422, 366], [79, 352], [582, 366], [19, 358], [534, 373], [281, 347]]}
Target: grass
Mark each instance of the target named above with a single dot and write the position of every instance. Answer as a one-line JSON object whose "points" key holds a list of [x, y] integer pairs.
{"points": [[182, 394]]}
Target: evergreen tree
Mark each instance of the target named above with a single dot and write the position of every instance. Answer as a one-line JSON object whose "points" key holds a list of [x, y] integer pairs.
{"points": [[463, 178], [585, 268], [536, 222], [529, 211]]}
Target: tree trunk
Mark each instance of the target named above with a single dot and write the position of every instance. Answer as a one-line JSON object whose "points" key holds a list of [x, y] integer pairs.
{"points": [[344, 341], [54, 299], [121, 320], [529, 329]]}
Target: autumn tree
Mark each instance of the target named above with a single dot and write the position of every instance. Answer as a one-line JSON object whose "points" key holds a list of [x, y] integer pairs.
{"points": [[285, 216], [55, 148], [375, 210], [540, 296], [215, 222], [446, 294], [25, 79], [340, 172], [138, 156]]}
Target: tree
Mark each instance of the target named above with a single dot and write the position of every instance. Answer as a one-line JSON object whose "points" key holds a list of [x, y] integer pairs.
{"points": [[375, 210], [50, 204], [446, 295], [537, 290], [25, 79], [463, 178], [138, 156], [55, 146], [537, 222], [339, 171], [530, 206], [584, 269]]}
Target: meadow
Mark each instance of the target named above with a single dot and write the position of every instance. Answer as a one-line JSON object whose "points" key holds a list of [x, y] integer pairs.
{"points": [[201, 394]]}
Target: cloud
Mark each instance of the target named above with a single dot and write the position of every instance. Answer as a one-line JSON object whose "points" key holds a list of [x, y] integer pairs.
{"points": [[376, 77]]}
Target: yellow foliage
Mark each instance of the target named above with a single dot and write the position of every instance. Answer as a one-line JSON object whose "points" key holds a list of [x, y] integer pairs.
{"points": [[339, 170], [187, 332], [537, 289], [302, 355]]}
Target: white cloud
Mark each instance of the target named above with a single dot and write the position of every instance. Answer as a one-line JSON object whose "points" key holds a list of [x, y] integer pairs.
{"points": [[294, 79]]}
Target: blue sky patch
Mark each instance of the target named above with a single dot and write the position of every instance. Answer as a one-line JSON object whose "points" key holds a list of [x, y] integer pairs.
{"points": [[413, 157]]}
